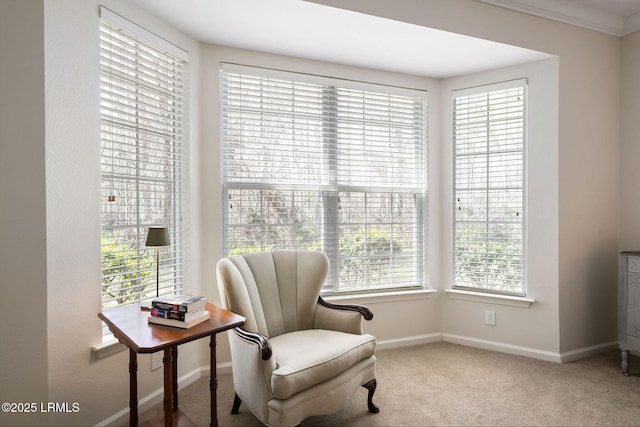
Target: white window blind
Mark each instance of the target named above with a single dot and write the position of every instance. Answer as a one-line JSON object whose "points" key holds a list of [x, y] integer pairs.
{"points": [[143, 163], [326, 164], [489, 125]]}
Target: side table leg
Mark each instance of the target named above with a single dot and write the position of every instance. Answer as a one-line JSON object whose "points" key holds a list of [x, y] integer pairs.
{"points": [[213, 383], [133, 388], [168, 388], [174, 372]]}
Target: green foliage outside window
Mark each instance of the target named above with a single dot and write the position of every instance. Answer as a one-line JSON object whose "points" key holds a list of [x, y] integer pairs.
{"points": [[366, 257], [496, 261], [124, 272], [365, 254]]}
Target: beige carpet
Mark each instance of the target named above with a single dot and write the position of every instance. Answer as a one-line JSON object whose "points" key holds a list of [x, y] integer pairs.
{"points": [[445, 384]]}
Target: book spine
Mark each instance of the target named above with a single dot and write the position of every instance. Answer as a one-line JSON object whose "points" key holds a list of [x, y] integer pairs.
{"points": [[177, 323], [167, 314], [178, 308], [174, 307]]}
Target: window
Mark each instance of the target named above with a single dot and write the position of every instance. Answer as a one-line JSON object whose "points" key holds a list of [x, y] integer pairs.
{"points": [[489, 188], [325, 164], [143, 162]]}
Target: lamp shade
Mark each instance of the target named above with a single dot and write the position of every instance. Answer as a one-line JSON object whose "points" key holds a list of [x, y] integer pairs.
{"points": [[158, 236]]}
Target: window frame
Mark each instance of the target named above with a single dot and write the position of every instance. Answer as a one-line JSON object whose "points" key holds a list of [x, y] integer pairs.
{"points": [[485, 287], [155, 89], [330, 194]]}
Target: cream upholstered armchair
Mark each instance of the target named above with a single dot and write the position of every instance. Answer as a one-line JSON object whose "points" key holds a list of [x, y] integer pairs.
{"points": [[296, 355]]}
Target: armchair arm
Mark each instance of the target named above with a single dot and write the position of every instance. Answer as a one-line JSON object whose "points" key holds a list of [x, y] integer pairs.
{"points": [[260, 340], [340, 317], [364, 311], [253, 366]]}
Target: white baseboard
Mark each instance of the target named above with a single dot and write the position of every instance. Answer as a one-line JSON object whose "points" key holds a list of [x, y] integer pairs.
{"points": [[534, 353], [408, 341], [581, 353], [503, 348]]}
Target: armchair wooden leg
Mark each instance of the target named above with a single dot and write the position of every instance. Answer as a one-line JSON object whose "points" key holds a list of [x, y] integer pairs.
{"points": [[236, 405], [371, 386], [625, 362]]}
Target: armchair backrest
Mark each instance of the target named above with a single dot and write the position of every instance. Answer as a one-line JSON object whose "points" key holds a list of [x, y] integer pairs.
{"points": [[276, 292]]}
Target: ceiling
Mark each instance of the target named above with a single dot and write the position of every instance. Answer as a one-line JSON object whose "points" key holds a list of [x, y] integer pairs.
{"points": [[299, 28]]}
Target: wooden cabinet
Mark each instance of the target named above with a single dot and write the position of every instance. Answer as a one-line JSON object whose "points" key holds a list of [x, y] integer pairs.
{"points": [[629, 306]]}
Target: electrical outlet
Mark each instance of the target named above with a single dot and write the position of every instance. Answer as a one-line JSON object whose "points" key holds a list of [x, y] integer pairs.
{"points": [[156, 360], [490, 317]]}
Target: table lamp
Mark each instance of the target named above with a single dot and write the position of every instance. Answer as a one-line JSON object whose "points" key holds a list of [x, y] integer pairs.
{"points": [[158, 237]]}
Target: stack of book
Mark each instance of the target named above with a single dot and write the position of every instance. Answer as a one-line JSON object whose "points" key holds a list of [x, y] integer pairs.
{"points": [[180, 311]]}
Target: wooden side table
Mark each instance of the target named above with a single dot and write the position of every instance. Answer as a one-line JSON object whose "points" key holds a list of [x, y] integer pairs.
{"points": [[130, 326]]}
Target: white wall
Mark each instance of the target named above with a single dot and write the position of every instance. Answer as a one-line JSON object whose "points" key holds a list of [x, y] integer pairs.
{"points": [[23, 263], [630, 147], [588, 149]]}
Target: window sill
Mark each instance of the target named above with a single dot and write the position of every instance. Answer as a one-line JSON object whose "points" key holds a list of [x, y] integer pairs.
{"points": [[490, 298], [108, 348], [377, 297]]}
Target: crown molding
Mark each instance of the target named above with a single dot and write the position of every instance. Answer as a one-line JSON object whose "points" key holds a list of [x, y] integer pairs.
{"points": [[631, 24], [574, 14]]}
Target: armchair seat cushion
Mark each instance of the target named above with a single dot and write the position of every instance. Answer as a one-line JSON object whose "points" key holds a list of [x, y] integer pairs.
{"points": [[308, 357]]}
